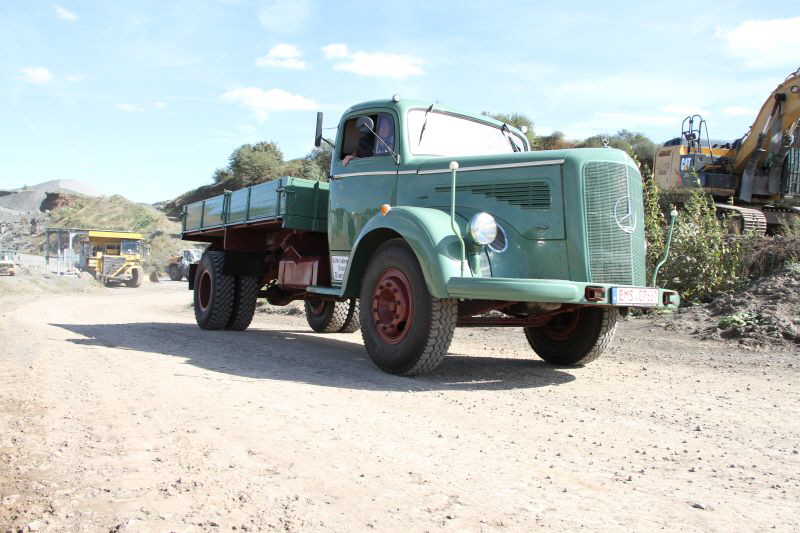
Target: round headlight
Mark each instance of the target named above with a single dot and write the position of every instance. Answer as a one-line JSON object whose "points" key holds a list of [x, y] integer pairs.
{"points": [[483, 228]]}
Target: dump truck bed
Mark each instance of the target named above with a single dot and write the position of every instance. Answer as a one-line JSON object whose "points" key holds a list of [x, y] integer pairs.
{"points": [[298, 203]]}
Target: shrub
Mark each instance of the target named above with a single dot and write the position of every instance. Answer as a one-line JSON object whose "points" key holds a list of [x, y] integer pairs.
{"points": [[704, 259]]}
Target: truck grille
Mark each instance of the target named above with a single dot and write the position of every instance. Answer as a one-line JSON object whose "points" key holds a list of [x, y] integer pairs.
{"points": [[111, 265], [526, 195], [614, 223]]}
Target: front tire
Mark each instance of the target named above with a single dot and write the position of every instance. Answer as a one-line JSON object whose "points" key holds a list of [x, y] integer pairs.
{"points": [[328, 316], [574, 338], [136, 279], [214, 292], [174, 272], [406, 331]]}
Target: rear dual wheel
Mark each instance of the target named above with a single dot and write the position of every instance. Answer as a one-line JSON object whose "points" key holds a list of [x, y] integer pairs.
{"points": [[223, 301]]}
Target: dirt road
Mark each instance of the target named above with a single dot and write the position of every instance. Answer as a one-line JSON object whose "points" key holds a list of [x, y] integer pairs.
{"points": [[117, 412]]}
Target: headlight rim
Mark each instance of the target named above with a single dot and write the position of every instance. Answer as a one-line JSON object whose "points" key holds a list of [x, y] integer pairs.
{"points": [[478, 228]]}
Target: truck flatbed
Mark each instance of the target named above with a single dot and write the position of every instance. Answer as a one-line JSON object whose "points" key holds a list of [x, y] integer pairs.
{"points": [[297, 203]]}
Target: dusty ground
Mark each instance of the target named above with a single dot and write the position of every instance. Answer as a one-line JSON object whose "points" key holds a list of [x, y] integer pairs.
{"points": [[117, 412]]}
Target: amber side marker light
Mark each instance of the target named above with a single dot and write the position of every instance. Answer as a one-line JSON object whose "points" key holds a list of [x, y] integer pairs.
{"points": [[385, 208], [595, 294]]}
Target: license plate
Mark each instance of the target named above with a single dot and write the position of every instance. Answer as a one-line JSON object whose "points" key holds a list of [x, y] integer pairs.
{"points": [[634, 296]]}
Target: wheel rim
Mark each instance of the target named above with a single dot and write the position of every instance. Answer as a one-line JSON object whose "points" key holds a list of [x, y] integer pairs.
{"points": [[562, 326], [392, 306], [315, 306], [204, 290]]}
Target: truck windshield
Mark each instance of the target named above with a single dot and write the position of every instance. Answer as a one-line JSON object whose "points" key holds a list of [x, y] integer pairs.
{"points": [[130, 247], [454, 135]]}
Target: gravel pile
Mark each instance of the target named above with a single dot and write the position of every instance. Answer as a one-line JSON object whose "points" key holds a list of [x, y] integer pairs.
{"points": [[766, 312]]}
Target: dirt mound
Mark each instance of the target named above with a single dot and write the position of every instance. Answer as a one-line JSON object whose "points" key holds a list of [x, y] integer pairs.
{"points": [[56, 200], [766, 312]]}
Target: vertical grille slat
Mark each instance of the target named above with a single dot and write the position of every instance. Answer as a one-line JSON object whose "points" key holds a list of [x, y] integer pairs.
{"points": [[615, 236]]}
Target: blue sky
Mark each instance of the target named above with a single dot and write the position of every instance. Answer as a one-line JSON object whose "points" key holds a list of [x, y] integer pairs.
{"points": [[146, 99]]}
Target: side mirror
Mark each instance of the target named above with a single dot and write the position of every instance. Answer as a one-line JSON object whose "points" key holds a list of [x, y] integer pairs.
{"points": [[365, 125], [318, 134]]}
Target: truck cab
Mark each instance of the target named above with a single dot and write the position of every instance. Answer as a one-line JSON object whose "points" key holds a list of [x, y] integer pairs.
{"points": [[432, 219]]}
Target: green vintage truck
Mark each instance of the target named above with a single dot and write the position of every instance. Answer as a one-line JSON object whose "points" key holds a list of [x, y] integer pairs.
{"points": [[433, 218]]}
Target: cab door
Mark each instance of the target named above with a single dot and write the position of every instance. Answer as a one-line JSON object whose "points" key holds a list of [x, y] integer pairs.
{"points": [[360, 187]]}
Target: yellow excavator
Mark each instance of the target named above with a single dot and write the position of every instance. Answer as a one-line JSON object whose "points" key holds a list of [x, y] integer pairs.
{"points": [[755, 179]]}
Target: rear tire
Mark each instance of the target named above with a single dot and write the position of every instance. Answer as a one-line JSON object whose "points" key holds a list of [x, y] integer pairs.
{"points": [[214, 292], [328, 316], [406, 330], [575, 338], [244, 305]]}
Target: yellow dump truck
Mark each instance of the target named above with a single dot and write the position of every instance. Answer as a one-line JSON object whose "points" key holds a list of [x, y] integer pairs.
{"points": [[113, 256]]}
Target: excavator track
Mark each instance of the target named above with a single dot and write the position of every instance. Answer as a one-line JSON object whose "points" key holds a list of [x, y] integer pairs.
{"points": [[751, 219]]}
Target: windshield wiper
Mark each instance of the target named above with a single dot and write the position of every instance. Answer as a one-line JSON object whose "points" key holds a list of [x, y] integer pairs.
{"points": [[507, 132], [424, 123]]}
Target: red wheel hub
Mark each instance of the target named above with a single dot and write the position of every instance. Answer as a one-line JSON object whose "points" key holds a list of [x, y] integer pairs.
{"points": [[392, 306], [204, 290], [562, 326]]}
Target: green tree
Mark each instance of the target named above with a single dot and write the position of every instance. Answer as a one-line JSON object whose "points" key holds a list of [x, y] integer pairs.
{"points": [[517, 120], [554, 141], [318, 163], [221, 174], [255, 163]]}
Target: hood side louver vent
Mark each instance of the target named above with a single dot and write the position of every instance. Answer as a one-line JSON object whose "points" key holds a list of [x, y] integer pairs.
{"points": [[531, 195]]}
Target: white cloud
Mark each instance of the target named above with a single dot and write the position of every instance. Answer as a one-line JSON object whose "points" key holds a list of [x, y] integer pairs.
{"points": [[65, 14], [36, 75], [283, 56], [160, 105], [374, 64], [335, 50], [284, 16], [763, 43], [739, 111], [262, 102]]}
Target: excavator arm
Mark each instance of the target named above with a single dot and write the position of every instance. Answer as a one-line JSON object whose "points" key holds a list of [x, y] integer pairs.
{"points": [[775, 130]]}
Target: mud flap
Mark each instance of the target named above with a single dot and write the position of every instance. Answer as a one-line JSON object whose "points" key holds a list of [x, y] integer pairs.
{"points": [[192, 274]]}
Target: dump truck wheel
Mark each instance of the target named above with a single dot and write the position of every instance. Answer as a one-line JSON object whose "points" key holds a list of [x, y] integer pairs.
{"points": [[174, 273], [244, 303], [328, 316], [406, 331], [213, 292], [136, 279], [574, 338]]}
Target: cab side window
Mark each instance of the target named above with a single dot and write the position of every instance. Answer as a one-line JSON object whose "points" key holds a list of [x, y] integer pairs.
{"points": [[357, 145]]}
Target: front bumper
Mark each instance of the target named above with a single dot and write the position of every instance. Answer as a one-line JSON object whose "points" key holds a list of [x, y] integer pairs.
{"points": [[546, 290]]}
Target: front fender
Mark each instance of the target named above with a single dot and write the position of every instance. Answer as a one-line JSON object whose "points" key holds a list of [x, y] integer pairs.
{"points": [[427, 231]]}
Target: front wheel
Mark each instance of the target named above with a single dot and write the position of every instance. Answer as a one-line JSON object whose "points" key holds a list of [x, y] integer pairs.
{"points": [[136, 279], [174, 272], [406, 330], [576, 337], [328, 316]]}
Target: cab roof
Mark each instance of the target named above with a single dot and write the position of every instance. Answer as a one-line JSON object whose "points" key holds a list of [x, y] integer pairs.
{"points": [[403, 105]]}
